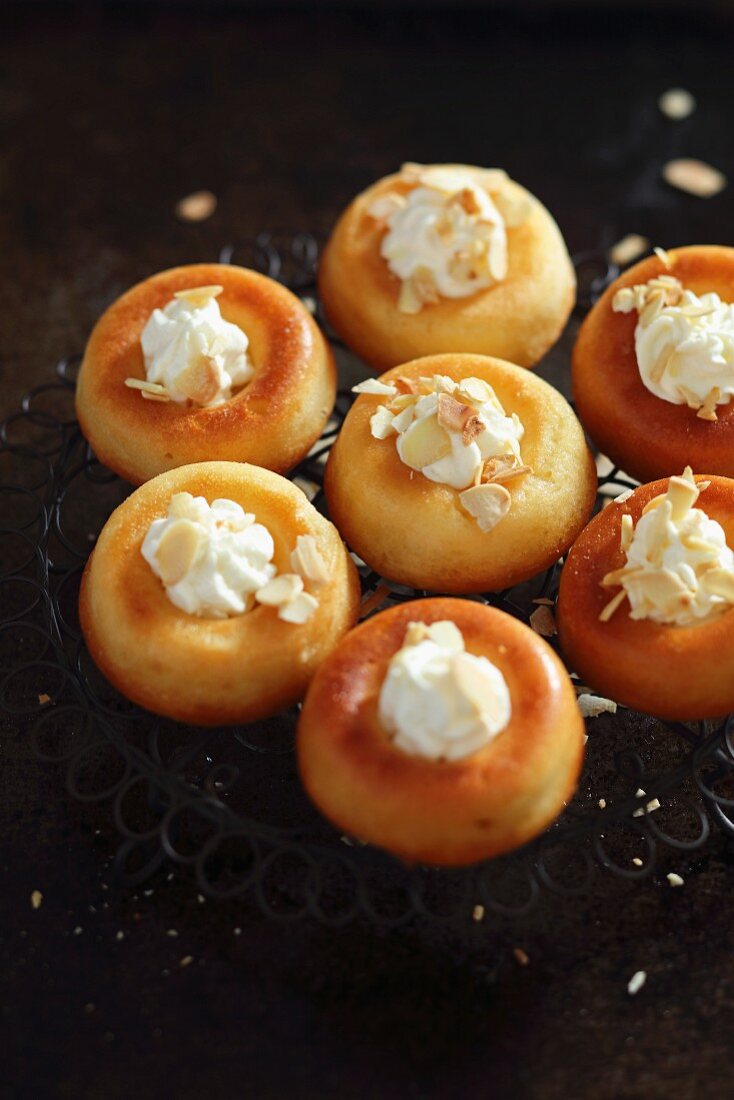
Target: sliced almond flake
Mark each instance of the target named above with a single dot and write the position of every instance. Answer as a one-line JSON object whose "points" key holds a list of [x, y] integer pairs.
{"points": [[682, 495], [196, 207], [473, 428], [145, 386], [298, 610], [179, 547], [673, 879], [415, 633], [403, 401], [401, 421], [543, 621], [424, 443], [497, 260], [409, 300], [36, 899], [477, 390], [407, 386], [653, 308], [452, 414], [488, 504], [374, 600], [200, 380], [477, 913], [446, 634], [382, 423], [627, 530], [694, 177], [280, 590], [615, 577], [689, 397], [308, 561], [602, 803], [383, 208], [719, 582], [425, 284], [162, 398], [636, 982], [199, 295], [375, 386], [623, 496], [444, 177], [708, 409], [591, 706], [606, 613], [503, 467], [677, 103], [628, 249], [665, 258], [637, 861], [660, 365]]}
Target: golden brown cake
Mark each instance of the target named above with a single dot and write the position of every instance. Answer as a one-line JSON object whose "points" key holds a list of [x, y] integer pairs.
{"points": [[648, 435], [196, 667], [438, 810], [272, 419], [423, 532], [514, 298], [671, 669]]}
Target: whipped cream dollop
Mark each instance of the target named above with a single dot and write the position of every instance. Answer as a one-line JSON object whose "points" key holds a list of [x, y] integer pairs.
{"points": [[679, 568], [454, 433], [437, 700], [684, 343], [216, 560], [191, 353], [447, 236]]}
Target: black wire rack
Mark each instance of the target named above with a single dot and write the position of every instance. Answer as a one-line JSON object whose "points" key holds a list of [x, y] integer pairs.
{"points": [[226, 805]]}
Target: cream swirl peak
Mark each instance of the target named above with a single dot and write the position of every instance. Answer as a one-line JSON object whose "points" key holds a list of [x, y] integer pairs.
{"points": [[454, 433], [438, 701], [215, 560], [684, 343], [678, 569], [447, 237], [191, 353]]}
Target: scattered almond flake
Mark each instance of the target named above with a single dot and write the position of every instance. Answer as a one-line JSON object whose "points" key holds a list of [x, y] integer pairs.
{"points": [[648, 808], [36, 899], [606, 613], [425, 442], [521, 956], [639, 793], [452, 414], [196, 207], [199, 295], [309, 303], [298, 610], [382, 423], [477, 913], [591, 706], [637, 861], [694, 177], [543, 621], [502, 468], [673, 879], [186, 961], [373, 601], [172, 932], [624, 495], [375, 386], [628, 249], [308, 561], [665, 258], [119, 935], [677, 103], [160, 397], [280, 590], [488, 504], [636, 982], [602, 803], [43, 698]]}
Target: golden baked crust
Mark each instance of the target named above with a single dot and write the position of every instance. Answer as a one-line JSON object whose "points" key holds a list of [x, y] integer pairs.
{"points": [[202, 670], [416, 532], [645, 435], [517, 319], [272, 421], [681, 672], [430, 811]]}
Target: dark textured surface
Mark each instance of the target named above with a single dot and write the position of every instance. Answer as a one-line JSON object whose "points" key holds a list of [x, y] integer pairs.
{"points": [[107, 121]]}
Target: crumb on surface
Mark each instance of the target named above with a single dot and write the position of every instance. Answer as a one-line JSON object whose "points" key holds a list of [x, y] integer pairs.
{"points": [[36, 899], [636, 982]]}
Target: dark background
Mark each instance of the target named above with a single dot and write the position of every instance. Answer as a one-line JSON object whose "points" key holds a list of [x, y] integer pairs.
{"points": [[109, 115]]}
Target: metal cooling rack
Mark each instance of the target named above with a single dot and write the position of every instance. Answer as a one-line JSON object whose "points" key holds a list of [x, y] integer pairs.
{"points": [[226, 804]]}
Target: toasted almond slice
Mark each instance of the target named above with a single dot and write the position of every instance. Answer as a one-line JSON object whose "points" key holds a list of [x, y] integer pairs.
{"points": [[424, 443], [654, 503], [682, 494], [425, 284], [401, 421], [146, 387], [473, 427], [415, 633], [473, 685], [446, 634], [383, 208], [199, 295], [660, 364], [719, 582], [543, 621], [409, 300], [375, 386], [626, 532], [161, 397], [308, 560], [663, 586], [708, 409], [665, 258], [280, 590], [381, 423], [407, 386], [180, 505], [609, 609], [504, 467], [689, 397], [403, 401], [677, 103], [488, 504], [695, 177], [453, 415], [628, 249], [624, 300], [298, 610], [615, 577], [200, 381], [476, 389], [178, 550]]}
